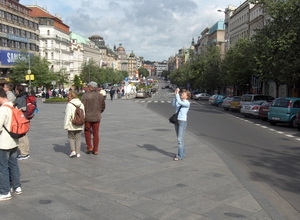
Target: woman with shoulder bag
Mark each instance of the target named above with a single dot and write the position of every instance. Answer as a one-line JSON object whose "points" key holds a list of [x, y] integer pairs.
{"points": [[181, 101]]}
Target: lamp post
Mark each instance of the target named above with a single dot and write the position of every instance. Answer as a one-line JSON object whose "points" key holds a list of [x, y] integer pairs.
{"points": [[227, 13], [29, 71], [88, 61]]}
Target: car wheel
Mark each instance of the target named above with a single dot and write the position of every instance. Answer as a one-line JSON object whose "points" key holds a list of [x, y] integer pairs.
{"points": [[219, 104], [298, 128], [247, 116], [293, 123], [264, 118], [273, 122], [226, 109]]}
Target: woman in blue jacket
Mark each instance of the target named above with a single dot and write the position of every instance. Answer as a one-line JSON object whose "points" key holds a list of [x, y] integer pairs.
{"points": [[180, 126]]}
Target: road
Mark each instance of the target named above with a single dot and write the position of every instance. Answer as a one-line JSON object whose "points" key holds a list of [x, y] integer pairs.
{"points": [[268, 156]]}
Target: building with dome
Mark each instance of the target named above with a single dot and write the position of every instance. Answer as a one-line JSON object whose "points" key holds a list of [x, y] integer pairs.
{"points": [[122, 57], [128, 62]]}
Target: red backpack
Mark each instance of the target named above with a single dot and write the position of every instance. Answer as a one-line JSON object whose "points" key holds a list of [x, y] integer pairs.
{"points": [[31, 106], [19, 123]]}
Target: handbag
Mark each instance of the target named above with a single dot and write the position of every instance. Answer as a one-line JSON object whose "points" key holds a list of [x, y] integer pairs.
{"points": [[174, 118]]}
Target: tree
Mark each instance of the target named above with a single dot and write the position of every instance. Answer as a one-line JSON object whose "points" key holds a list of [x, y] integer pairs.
{"points": [[277, 43], [39, 68], [143, 71], [77, 83], [239, 65]]}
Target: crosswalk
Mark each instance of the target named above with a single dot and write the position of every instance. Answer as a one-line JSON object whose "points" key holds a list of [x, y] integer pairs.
{"points": [[158, 102]]}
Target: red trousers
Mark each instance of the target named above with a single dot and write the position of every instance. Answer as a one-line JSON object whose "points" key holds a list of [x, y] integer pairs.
{"points": [[89, 129]]}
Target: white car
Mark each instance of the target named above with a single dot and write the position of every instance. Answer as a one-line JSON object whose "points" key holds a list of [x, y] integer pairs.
{"points": [[39, 94], [202, 96]]}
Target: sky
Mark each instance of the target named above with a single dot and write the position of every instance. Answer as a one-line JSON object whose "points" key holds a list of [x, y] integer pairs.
{"points": [[153, 29]]}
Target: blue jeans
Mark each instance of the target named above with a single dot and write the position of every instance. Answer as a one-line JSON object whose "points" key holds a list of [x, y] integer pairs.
{"points": [[180, 127], [9, 166]]}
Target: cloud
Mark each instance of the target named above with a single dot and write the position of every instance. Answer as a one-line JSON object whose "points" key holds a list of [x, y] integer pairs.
{"points": [[154, 29]]}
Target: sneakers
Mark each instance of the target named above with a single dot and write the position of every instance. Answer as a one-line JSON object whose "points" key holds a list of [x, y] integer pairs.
{"points": [[20, 157], [5, 197], [78, 155], [73, 154], [18, 190]]}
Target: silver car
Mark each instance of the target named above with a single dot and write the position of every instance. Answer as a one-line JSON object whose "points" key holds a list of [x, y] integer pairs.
{"points": [[251, 109], [202, 96]]}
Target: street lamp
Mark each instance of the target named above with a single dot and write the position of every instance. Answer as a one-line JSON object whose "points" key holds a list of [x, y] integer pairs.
{"points": [[88, 61], [227, 31]]}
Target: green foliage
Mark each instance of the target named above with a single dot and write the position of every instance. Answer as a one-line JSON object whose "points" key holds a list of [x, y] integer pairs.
{"points": [[56, 99], [39, 68], [77, 83], [143, 71], [92, 72]]}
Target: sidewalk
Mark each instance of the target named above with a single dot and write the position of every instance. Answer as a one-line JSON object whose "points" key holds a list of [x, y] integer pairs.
{"points": [[133, 177]]}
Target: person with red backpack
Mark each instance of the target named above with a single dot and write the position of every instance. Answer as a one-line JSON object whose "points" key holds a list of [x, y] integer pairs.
{"points": [[8, 152], [20, 103]]}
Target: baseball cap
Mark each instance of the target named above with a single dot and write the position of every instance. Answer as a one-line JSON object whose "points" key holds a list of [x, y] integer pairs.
{"points": [[93, 84]]}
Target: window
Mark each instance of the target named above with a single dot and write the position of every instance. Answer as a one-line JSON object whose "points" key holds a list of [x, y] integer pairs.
{"points": [[15, 18], [46, 55], [17, 45], [8, 16], [23, 33], [21, 20], [48, 32], [25, 22], [10, 30], [3, 42], [2, 14], [17, 32], [52, 55], [3, 28]]}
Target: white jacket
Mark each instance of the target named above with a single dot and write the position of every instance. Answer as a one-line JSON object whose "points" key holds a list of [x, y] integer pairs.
{"points": [[70, 111], [6, 141]]}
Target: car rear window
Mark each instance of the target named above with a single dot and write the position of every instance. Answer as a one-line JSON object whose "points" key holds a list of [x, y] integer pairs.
{"points": [[247, 98], [281, 103]]}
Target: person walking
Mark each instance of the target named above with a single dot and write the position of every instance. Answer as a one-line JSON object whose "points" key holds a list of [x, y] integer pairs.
{"points": [[9, 168], [181, 101], [112, 93], [20, 103], [8, 88], [94, 105], [74, 132]]}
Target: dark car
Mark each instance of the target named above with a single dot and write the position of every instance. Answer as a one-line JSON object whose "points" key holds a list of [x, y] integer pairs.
{"points": [[263, 111], [297, 120]]}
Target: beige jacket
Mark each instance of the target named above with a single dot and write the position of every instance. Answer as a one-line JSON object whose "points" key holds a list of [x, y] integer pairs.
{"points": [[69, 115], [6, 141]]}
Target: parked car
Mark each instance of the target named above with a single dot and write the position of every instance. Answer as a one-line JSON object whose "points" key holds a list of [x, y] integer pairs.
{"points": [[235, 104], [193, 94], [251, 109], [226, 103], [248, 98], [263, 111], [202, 96], [216, 99], [284, 110]]}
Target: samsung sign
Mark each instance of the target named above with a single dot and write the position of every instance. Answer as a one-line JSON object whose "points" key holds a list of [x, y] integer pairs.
{"points": [[9, 57]]}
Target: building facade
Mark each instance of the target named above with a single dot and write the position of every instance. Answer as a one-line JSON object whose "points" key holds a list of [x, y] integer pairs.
{"points": [[19, 32], [54, 40]]}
